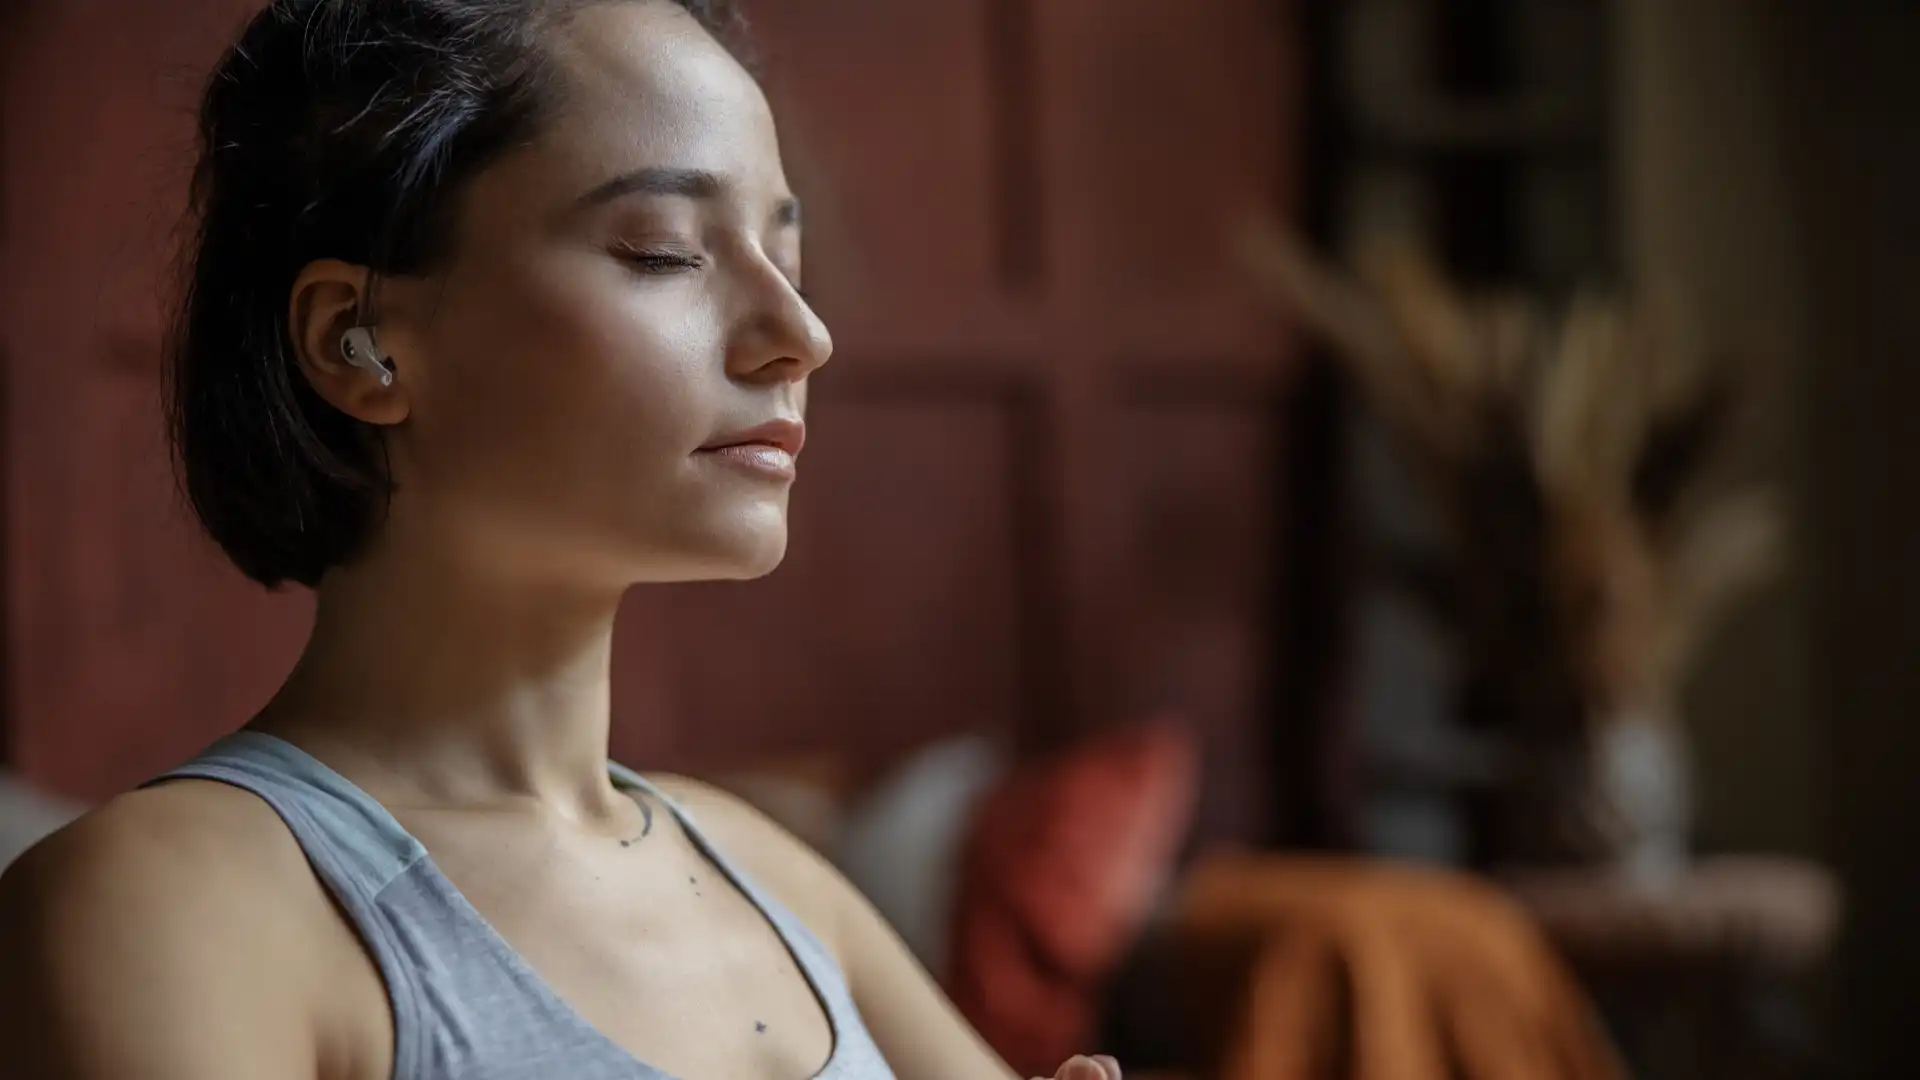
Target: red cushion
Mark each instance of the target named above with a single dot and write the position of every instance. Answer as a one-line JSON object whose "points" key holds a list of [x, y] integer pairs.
{"points": [[1061, 865]]}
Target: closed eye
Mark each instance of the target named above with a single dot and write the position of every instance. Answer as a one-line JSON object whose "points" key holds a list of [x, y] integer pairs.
{"points": [[659, 261]]}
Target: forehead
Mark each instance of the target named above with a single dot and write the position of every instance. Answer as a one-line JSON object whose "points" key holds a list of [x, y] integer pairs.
{"points": [[642, 84]]}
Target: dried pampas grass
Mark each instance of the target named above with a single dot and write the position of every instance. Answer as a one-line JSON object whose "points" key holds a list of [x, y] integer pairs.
{"points": [[1571, 457]]}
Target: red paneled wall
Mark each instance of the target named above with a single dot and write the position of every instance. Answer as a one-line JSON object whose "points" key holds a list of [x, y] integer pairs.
{"points": [[1039, 495]]}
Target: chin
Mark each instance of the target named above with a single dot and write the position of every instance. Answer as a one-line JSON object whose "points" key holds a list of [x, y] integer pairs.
{"points": [[742, 551], [756, 561], [749, 541], [713, 540]]}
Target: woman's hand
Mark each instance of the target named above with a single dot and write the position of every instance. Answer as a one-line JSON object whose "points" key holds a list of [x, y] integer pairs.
{"points": [[1098, 1067]]}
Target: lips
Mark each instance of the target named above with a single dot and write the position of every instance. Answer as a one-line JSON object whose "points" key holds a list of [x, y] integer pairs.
{"points": [[767, 450], [787, 435]]}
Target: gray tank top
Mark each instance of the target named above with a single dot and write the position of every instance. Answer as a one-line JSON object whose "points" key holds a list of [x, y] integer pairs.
{"points": [[466, 1006]]}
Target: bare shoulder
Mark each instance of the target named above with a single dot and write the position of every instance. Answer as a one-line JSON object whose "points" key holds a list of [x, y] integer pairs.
{"points": [[130, 927], [193, 841], [799, 876]]}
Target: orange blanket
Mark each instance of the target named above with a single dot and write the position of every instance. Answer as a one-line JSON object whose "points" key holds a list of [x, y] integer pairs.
{"points": [[1327, 969]]}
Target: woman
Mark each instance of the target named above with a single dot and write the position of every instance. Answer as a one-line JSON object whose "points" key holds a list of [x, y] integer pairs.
{"points": [[494, 312]]}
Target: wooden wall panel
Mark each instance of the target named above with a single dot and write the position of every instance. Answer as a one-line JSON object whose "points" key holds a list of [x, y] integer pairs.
{"points": [[1201, 545], [886, 115], [1163, 123], [128, 644]]}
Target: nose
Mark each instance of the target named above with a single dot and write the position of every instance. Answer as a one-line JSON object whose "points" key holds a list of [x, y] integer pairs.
{"points": [[781, 338]]}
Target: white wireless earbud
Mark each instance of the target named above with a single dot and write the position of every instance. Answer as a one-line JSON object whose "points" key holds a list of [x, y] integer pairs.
{"points": [[358, 347]]}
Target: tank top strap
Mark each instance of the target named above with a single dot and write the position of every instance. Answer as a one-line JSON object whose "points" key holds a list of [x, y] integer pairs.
{"points": [[354, 844], [357, 850], [821, 969], [769, 907]]}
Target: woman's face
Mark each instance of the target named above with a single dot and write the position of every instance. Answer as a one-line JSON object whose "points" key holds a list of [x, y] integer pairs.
{"points": [[606, 381]]}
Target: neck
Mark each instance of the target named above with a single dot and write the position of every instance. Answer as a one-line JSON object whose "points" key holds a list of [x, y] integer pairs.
{"points": [[440, 684]]}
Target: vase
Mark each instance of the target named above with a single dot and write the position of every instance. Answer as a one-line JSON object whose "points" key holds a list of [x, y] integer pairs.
{"points": [[1643, 779]]}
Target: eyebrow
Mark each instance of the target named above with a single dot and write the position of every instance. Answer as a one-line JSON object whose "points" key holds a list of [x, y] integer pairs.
{"points": [[684, 183]]}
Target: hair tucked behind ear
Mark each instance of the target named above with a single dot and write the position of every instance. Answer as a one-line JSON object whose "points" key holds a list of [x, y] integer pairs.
{"points": [[332, 129]]}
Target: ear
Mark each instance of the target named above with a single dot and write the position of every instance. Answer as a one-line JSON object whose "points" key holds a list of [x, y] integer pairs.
{"points": [[326, 302]]}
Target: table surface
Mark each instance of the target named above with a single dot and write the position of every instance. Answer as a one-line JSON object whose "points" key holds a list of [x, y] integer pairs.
{"points": [[1776, 912]]}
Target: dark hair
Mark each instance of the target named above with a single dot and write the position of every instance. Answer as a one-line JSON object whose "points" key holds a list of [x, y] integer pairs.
{"points": [[332, 129]]}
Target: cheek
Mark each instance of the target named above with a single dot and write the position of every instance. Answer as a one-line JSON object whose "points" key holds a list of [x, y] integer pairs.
{"points": [[571, 386]]}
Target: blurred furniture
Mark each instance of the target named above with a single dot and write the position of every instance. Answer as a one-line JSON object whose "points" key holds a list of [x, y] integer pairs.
{"points": [[1061, 866], [1253, 966], [1481, 128], [1273, 967], [1481, 125], [1697, 975], [26, 815]]}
